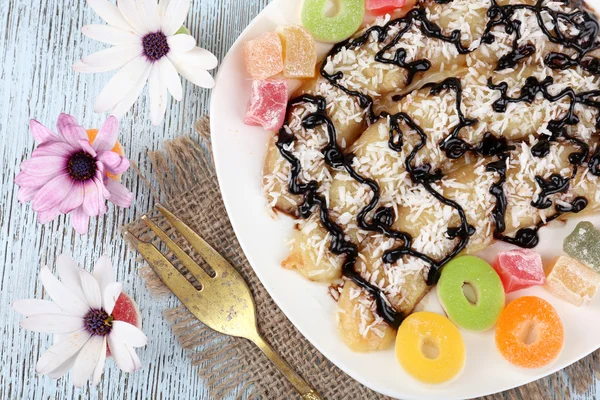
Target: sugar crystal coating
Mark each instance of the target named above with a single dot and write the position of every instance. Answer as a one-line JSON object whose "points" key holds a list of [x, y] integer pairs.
{"points": [[572, 281], [520, 269], [530, 333], [263, 56], [267, 104], [384, 5], [336, 28], [299, 52], [584, 244]]}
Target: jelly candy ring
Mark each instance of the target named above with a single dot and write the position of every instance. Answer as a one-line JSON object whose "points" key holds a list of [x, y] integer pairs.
{"points": [[530, 333], [336, 28], [479, 312], [430, 348]]}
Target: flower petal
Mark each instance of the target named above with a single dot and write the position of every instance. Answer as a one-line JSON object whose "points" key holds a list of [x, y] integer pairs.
{"points": [[181, 43], [169, 75], [119, 194], [111, 58], [40, 133], [87, 147], [29, 307], [62, 295], [44, 165], [91, 203], [91, 289], [197, 76], [121, 84], [60, 352], [104, 273], [127, 101], [162, 7], [25, 194], [129, 333], [112, 291], [68, 272], [175, 14], [72, 200], [120, 352], [80, 221], [83, 68], [60, 371], [70, 130], [110, 34], [113, 163], [46, 216], [99, 368], [107, 135], [87, 359], [52, 323], [129, 11], [25, 180], [110, 13], [52, 193], [63, 149], [148, 12], [197, 58], [158, 96]]}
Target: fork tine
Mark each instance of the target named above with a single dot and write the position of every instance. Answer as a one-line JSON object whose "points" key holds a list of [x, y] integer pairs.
{"points": [[167, 273], [210, 255], [187, 261]]}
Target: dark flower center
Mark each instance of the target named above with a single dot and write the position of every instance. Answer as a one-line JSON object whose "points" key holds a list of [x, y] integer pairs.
{"points": [[98, 322], [81, 166], [155, 46]]}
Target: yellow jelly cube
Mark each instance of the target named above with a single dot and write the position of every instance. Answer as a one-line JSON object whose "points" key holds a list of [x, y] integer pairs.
{"points": [[263, 55], [299, 52], [572, 281]]}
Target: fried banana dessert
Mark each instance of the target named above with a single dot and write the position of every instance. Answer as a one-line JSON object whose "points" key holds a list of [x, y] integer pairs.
{"points": [[432, 133]]}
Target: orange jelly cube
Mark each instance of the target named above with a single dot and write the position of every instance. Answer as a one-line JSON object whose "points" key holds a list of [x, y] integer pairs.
{"points": [[572, 281], [264, 57], [299, 52]]}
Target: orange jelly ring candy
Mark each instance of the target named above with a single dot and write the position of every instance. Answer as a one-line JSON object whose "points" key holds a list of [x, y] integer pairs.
{"points": [[530, 333], [92, 133]]}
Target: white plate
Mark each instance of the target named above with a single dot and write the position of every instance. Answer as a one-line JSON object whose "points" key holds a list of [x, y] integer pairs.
{"points": [[238, 153]]}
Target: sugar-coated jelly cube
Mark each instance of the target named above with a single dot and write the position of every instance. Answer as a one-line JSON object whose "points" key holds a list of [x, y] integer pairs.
{"points": [[264, 56], [347, 19], [267, 104], [572, 281], [299, 52], [384, 5], [584, 244], [520, 269]]}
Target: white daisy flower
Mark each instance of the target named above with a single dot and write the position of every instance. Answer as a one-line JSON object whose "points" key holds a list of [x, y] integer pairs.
{"points": [[147, 48], [89, 316]]}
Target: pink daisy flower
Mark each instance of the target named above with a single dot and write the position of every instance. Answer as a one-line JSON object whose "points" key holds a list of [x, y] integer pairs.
{"points": [[68, 174]]}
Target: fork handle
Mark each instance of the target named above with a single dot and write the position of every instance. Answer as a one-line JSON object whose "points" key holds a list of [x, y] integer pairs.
{"points": [[307, 392]]}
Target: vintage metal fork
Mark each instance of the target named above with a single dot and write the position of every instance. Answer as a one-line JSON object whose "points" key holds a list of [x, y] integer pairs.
{"points": [[224, 303]]}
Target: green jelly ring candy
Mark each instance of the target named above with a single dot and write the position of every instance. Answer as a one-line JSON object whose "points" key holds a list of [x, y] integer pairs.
{"points": [[335, 28], [484, 313]]}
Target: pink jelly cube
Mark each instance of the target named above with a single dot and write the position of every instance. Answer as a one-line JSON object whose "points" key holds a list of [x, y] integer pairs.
{"points": [[268, 103], [520, 269], [264, 56], [384, 5]]}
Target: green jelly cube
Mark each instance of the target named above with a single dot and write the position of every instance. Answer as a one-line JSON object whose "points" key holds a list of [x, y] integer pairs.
{"points": [[583, 244]]}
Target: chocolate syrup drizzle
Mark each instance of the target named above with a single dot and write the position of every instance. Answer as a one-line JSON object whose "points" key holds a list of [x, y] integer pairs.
{"points": [[453, 146]]}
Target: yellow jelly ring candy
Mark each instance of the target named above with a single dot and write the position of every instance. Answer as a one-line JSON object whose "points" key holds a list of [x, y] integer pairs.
{"points": [[430, 348]]}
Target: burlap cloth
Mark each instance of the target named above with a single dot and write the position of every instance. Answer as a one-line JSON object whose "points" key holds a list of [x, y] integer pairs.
{"points": [[188, 186]]}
